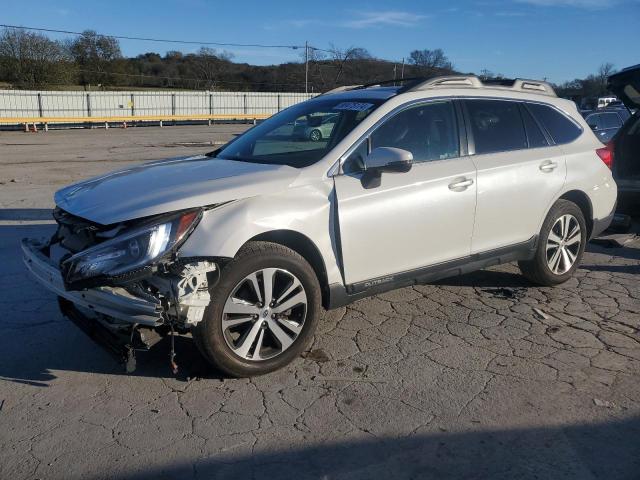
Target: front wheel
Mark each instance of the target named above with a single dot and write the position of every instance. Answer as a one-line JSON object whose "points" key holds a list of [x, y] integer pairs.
{"points": [[262, 313], [315, 135], [561, 245]]}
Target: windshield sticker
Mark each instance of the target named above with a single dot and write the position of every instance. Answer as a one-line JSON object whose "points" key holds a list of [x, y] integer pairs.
{"points": [[354, 106]]}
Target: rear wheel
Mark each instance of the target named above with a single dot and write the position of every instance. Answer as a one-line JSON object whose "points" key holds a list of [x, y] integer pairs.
{"points": [[262, 313], [561, 245]]}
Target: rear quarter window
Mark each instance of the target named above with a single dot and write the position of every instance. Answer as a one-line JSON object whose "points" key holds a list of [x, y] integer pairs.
{"points": [[611, 120], [561, 129]]}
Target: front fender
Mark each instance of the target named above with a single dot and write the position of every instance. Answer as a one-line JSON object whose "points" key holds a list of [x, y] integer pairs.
{"points": [[307, 209]]}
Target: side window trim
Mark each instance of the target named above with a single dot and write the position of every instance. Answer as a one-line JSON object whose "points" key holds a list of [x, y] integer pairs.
{"points": [[463, 129], [542, 128], [471, 142], [366, 136], [545, 134]]}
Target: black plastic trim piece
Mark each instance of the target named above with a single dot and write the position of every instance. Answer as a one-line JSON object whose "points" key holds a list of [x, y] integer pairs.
{"points": [[471, 142], [463, 144], [340, 295], [120, 343], [541, 126]]}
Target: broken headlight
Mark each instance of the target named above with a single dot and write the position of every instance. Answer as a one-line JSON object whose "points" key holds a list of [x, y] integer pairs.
{"points": [[129, 252]]}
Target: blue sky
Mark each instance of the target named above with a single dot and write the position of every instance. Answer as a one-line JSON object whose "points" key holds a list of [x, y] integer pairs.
{"points": [[556, 39]]}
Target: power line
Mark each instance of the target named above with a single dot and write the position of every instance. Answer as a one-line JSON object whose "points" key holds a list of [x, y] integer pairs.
{"points": [[161, 40]]}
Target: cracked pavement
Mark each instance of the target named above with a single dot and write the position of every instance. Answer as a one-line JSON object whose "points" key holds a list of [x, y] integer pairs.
{"points": [[479, 376]]}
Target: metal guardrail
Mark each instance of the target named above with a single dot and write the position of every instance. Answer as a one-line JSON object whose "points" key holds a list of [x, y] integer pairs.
{"points": [[19, 107]]}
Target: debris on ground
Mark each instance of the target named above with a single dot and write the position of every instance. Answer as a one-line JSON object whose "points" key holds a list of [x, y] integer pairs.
{"points": [[318, 378], [603, 403], [540, 314], [506, 292], [317, 355]]}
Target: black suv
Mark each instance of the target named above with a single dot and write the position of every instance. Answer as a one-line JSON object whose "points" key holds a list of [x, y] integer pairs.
{"points": [[624, 147]]}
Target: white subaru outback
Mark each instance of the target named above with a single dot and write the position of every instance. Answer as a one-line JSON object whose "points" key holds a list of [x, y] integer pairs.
{"points": [[245, 246]]}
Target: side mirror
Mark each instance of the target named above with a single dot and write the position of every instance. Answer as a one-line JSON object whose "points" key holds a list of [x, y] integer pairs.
{"points": [[389, 159], [385, 159]]}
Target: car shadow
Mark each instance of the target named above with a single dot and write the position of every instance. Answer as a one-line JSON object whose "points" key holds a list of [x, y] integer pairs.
{"points": [[487, 279], [608, 450], [26, 214]]}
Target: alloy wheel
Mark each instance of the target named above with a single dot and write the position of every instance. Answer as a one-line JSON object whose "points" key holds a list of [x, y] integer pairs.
{"points": [[264, 314], [563, 244]]}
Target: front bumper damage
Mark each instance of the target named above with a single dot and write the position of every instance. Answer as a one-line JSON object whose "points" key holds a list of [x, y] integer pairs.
{"points": [[133, 317], [113, 302]]}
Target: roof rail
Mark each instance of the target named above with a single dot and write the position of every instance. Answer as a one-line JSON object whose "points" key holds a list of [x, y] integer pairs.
{"points": [[472, 81], [344, 88], [410, 81]]}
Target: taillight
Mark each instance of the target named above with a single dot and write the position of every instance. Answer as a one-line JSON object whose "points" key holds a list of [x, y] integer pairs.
{"points": [[606, 154]]}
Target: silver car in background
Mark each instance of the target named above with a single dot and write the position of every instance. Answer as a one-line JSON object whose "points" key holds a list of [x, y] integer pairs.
{"points": [[245, 246]]}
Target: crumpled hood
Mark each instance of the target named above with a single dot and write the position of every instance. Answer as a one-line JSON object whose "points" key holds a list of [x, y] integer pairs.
{"points": [[170, 185]]}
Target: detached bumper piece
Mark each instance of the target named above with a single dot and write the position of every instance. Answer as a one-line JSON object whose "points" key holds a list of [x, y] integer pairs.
{"points": [[110, 301], [120, 340]]}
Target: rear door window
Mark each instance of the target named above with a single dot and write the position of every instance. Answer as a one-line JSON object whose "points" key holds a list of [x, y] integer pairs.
{"points": [[561, 129], [496, 125]]}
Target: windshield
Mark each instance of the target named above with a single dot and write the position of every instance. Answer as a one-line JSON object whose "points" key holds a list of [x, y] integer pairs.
{"points": [[300, 135]]}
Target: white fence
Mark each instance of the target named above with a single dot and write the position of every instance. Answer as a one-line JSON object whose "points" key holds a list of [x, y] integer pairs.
{"points": [[30, 106]]}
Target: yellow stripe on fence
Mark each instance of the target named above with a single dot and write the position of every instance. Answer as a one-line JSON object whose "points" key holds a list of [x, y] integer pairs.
{"points": [[138, 118]]}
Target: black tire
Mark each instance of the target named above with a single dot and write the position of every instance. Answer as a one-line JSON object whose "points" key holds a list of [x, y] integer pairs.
{"points": [[315, 135], [209, 335], [538, 270]]}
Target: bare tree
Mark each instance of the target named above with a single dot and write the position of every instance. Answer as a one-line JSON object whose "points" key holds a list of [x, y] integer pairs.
{"points": [[30, 59], [486, 74], [430, 61], [210, 64], [602, 76], [341, 57]]}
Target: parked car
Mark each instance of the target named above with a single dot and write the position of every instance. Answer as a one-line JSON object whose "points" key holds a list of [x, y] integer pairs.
{"points": [[316, 127], [245, 246], [620, 109], [624, 149], [605, 123], [604, 101]]}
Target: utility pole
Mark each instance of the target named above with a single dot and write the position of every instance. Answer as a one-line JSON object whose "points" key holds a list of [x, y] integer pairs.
{"points": [[402, 71], [306, 67]]}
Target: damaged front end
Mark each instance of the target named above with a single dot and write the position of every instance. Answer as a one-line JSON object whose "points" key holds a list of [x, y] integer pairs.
{"points": [[124, 285]]}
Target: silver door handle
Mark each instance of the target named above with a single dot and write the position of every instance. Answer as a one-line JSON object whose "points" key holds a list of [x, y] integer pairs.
{"points": [[548, 166], [461, 184]]}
